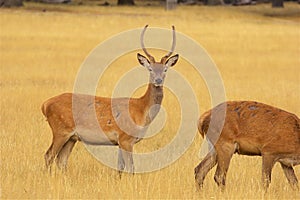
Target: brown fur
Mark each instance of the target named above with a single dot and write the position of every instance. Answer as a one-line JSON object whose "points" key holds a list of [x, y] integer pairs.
{"points": [[252, 128], [123, 122], [60, 116], [106, 121]]}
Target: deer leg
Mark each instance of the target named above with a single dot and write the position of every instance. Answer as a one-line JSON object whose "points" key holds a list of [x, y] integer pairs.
{"points": [[63, 155], [121, 163], [48, 157], [268, 162], [126, 151], [290, 175], [224, 155], [128, 159], [57, 144], [204, 167]]}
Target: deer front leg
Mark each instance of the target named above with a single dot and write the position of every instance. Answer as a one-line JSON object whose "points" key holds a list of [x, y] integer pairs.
{"points": [[121, 163], [267, 165], [126, 148]]}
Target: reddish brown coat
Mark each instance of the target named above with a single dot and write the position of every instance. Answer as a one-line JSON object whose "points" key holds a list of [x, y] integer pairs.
{"points": [[106, 121], [251, 128]]}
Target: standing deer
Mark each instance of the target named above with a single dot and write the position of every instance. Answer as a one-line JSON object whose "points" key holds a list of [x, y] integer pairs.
{"points": [[254, 129], [123, 121]]}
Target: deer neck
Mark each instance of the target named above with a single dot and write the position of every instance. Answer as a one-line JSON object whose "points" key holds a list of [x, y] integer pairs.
{"points": [[152, 101], [153, 95]]}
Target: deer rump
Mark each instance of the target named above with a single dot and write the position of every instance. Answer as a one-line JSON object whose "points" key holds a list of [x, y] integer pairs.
{"points": [[250, 128]]}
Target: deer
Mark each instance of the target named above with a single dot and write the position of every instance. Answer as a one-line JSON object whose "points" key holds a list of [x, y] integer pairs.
{"points": [[254, 129], [122, 121]]}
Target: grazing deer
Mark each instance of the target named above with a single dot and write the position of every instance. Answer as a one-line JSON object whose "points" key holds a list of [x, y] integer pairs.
{"points": [[254, 129], [123, 121]]}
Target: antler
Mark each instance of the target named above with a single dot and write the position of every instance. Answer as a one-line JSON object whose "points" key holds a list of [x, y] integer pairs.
{"points": [[143, 46], [163, 59]]}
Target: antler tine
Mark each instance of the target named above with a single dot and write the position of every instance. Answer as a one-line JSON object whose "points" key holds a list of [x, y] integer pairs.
{"points": [[172, 48], [143, 45]]}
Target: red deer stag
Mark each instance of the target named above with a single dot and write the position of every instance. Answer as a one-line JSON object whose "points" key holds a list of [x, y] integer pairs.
{"points": [[135, 114], [255, 129]]}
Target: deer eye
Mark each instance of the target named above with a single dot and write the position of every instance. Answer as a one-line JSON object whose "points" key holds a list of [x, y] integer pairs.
{"points": [[165, 70], [150, 69]]}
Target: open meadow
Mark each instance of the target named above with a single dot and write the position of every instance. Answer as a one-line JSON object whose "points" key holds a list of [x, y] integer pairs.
{"points": [[256, 50]]}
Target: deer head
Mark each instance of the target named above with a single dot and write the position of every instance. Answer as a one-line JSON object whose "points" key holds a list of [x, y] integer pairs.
{"points": [[157, 69]]}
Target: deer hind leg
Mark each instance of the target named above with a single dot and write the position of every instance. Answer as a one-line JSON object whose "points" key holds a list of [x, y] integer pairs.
{"points": [[224, 155], [290, 175], [63, 155], [48, 157], [268, 162], [57, 143], [204, 167]]}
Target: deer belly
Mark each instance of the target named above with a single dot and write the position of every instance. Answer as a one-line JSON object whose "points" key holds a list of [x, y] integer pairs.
{"points": [[93, 137], [290, 160], [245, 147]]}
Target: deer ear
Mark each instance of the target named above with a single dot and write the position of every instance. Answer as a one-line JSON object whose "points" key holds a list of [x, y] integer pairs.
{"points": [[172, 61], [143, 60]]}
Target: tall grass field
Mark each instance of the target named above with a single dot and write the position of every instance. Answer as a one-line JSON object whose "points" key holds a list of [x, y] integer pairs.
{"points": [[256, 50]]}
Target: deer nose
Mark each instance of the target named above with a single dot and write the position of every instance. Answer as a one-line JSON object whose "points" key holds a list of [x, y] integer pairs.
{"points": [[158, 81]]}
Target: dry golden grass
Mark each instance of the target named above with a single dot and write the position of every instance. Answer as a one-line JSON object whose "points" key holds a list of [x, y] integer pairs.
{"points": [[257, 55]]}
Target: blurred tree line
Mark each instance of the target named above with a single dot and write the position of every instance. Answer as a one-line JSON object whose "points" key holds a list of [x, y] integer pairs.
{"points": [[275, 3]]}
